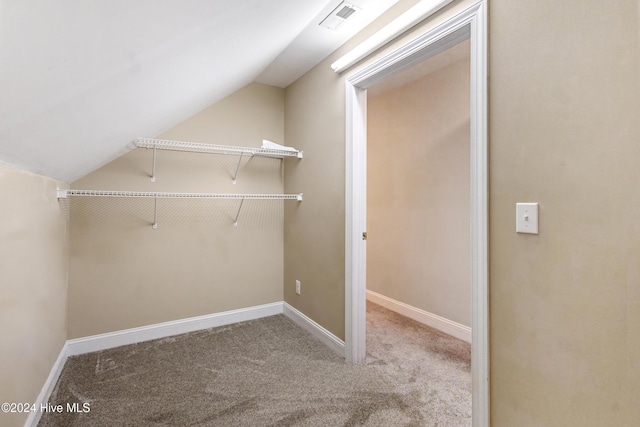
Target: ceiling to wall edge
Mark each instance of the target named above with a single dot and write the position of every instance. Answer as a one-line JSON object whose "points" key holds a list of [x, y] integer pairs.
{"points": [[276, 74], [25, 157], [407, 20], [315, 43]]}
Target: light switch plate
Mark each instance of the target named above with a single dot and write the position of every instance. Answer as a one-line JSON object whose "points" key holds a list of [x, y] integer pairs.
{"points": [[527, 218]]}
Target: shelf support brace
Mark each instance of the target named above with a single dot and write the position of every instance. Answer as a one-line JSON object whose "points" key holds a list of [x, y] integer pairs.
{"points": [[235, 221], [237, 168], [155, 213], [153, 166]]}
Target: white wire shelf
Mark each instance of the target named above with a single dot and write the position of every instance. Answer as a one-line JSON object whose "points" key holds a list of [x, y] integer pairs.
{"points": [[63, 194], [194, 147]]}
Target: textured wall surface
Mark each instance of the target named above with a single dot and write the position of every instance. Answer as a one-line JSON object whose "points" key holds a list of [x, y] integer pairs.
{"points": [[33, 285], [125, 274], [418, 195], [564, 131]]}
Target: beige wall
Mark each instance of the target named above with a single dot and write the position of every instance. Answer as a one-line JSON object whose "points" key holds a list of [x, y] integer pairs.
{"points": [[564, 132], [33, 285], [418, 244], [564, 129], [565, 305], [314, 231], [124, 274]]}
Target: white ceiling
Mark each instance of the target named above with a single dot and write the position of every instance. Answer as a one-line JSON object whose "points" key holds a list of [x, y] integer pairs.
{"points": [[81, 79], [315, 43]]}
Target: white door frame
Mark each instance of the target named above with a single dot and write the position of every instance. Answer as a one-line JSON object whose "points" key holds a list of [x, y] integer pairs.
{"points": [[471, 23]]}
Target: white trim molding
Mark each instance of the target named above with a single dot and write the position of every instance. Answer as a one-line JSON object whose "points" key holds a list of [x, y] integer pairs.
{"points": [[167, 329], [329, 339], [47, 388], [466, 21], [109, 340], [355, 224], [434, 321]]}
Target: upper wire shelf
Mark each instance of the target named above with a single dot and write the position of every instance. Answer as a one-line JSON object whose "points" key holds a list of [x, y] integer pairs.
{"points": [[194, 147]]}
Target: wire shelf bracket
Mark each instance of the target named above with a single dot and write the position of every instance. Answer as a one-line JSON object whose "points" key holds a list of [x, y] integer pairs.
{"points": [[235, 221], [155, 213], [193, 147]]}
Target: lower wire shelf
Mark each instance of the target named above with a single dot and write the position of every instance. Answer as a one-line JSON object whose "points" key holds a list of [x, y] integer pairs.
{"points": [[65, 193]]}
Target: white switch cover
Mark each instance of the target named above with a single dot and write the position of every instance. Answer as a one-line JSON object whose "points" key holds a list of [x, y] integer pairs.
{"points": [[527, 218]]}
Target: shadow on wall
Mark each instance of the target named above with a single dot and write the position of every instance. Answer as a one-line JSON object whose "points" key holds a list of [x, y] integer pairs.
{"points": [[129, 214]]}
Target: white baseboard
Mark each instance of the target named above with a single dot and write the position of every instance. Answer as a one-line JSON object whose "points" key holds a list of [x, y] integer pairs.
{"points": [[315, 329], [47, 389], [167, 329], [433, 320], [93, 343], [89, 344]]}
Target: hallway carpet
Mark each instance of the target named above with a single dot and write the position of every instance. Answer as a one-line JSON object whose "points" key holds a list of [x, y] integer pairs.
{"points": [[270, 372]]}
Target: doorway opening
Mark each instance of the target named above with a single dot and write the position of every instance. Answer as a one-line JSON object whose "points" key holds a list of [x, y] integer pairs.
{"points": [[470, 24], [418, 231]]}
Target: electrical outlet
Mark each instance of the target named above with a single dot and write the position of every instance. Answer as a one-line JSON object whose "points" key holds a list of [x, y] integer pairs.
{"points": [[298, 287]]}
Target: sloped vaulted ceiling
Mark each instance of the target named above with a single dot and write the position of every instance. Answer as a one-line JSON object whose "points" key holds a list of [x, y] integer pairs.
{"points": [[80, 79]]}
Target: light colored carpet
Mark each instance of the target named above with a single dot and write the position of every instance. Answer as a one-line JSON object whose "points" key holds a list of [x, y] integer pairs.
{"points": [[426, 366], [270, 372]]}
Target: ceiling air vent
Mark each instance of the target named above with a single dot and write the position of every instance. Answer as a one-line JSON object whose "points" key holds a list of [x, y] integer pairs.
{"points": [[339, 15]]}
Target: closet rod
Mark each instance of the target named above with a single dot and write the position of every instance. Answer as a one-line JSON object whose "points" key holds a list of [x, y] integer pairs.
{"points": [[194, 147], [63, 194]]}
